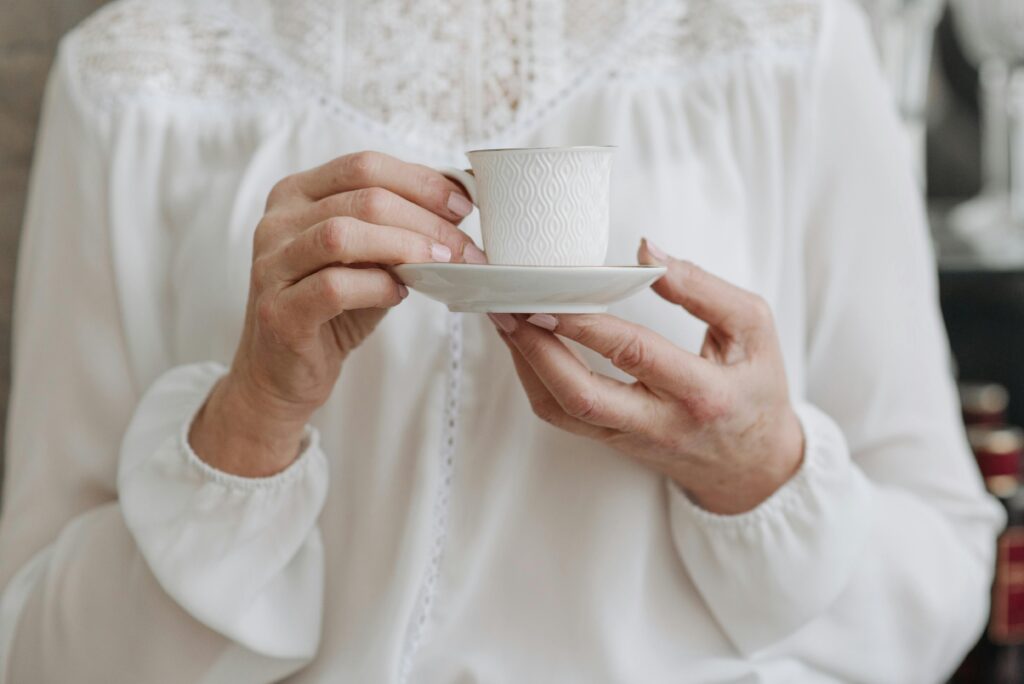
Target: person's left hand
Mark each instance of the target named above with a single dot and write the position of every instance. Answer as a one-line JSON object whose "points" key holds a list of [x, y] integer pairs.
{"points": [[720, 424]]}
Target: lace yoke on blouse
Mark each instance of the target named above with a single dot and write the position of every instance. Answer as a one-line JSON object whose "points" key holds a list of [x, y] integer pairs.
{"points": [[447, 73]]}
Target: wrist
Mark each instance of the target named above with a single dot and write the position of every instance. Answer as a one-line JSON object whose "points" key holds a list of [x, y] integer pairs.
{"points": [[240, 433], [780, 460]]}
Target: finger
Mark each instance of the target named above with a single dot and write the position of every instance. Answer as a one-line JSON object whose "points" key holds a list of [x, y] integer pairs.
{"points": [[506, 323], [582, 394], [384, 207], [544, 404], [738, 313], [638, 351], [346, 240], [416, 183], [319, 297]]}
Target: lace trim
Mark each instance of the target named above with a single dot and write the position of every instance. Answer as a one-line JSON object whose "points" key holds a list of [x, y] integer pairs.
{"points": [[462, 79], [440, 76], [449, 444], [305, 30], [133, 48], [706, 31], [524, 119]]}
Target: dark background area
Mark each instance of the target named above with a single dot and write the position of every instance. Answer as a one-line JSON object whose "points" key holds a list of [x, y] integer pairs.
{"points": [[984, 310]]}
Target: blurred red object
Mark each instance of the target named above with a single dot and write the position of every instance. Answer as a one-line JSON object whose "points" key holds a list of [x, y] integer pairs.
{"points": [[983, 403]]}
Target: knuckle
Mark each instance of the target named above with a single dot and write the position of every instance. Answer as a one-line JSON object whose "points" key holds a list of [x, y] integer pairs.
{"points": [[445, 232], [334, 235], [332, 205], [432, 185], [330, 286], [281, 190], [373, 203], [685, 275], [546, 409], [689, 271], [708, 407], [261, 236], [261, 269], [332, 289], [528, 345], [587, 326], [361, 166], [632, 353], [266, 313], [760, 311], [274, 221], [582, 404]]}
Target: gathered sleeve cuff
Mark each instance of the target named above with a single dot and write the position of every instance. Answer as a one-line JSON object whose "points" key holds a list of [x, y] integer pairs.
{"points": [[803, 542], [242, 555]]}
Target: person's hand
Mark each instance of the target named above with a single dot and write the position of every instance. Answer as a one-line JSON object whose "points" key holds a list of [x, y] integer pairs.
{"points": [[720, 424], [319, 285]]}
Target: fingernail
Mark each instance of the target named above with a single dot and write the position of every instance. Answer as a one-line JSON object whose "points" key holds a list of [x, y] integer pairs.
{"points": [[472, 254], [439, 252], [656, 251], [459, 205], [403, 291], [505, 322], [546, 321]]}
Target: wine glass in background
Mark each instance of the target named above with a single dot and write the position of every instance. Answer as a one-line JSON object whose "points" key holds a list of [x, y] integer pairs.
{"points": [[992, 34], [904, 31]]}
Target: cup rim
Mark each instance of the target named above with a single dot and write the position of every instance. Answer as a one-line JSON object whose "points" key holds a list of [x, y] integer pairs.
{"points": [[535, 150]]}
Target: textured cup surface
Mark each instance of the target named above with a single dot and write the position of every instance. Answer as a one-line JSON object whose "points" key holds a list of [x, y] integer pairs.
{"points": [[544, 207]]}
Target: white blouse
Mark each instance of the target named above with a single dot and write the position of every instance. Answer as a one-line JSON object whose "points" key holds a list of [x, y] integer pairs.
{"points": [[434, 530]]}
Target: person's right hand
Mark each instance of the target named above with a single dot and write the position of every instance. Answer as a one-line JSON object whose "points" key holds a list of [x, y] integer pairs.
{"points": [[319, 286]]}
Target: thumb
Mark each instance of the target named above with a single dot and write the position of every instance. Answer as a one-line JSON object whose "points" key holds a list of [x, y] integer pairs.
{"points": [[722, 305]]}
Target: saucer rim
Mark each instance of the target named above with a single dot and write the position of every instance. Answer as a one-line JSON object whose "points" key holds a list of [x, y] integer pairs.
{"points": [[541, 150], [451, 280], [521, 267]]}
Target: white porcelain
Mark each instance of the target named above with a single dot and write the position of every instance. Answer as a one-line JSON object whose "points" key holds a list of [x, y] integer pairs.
{"points": [[992, 32], [991, 28], [527, 289], [541, 206]]}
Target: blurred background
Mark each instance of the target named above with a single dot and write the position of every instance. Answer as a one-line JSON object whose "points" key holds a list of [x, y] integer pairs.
{"points": [[956, 72], [29, 31]]}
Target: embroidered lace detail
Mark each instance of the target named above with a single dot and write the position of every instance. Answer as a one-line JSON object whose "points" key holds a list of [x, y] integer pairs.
{"points": [[455, 70], [439, 74], [131, 48], [442, 498], [703, 31], [304, 30]]}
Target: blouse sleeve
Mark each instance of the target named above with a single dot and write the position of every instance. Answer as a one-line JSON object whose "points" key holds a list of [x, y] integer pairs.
{"points": [[123, 557], [874, 562]]}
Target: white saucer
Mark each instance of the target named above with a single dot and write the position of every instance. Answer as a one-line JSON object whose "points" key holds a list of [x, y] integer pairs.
{"points": [[481, 288]]}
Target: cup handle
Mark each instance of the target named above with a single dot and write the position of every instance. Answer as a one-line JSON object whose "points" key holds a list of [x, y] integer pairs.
{"points": [[465, 177]]}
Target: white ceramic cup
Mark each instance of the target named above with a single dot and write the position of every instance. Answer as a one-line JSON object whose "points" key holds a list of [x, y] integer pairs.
{"points": [[541, 206]]}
